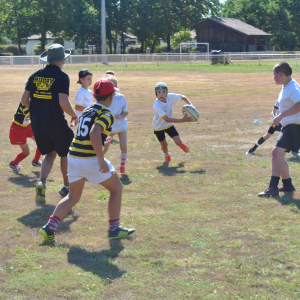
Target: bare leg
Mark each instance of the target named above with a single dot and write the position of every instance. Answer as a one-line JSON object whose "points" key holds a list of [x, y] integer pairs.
{"points": [[267, 136], [123, 141], [25, 149], [47, 164], [64, 169], [114, 186], [177, 140], [164, 146], [65, 204], [279, 164]]}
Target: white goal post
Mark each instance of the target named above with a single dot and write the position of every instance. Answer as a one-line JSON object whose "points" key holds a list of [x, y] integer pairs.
{"points": [[204, 46]]}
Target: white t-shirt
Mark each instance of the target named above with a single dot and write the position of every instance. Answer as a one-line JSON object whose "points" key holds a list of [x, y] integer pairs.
{"points": [[118, 107], [83, 98], [162, 109], [288, 96]]}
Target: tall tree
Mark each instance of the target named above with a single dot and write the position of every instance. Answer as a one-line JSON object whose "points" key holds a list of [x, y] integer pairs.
{"points": [[279, 17]]}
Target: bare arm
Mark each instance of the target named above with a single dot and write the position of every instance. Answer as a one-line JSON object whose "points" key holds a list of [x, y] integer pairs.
{"points": [[274, 112], [25, 98], [67, 108], [184, 119], [122, 116], [291, 111], [80, 108], [186, 100], [96, 140]]}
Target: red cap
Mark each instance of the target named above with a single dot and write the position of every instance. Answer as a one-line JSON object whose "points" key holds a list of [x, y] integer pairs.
{"points": [[103, 87]]}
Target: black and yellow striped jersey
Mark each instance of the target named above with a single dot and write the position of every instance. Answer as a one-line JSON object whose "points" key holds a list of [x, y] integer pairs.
{"points": [[22, 116], [81, 146]]}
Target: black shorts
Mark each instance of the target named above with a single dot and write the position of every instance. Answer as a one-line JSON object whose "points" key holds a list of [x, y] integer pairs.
{"points": [[273, 128], [289, 138], [59, 142], [171, 131]]}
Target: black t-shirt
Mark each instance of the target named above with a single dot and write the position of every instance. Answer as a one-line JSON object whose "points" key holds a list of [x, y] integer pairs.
{"points": [[47, 116]]}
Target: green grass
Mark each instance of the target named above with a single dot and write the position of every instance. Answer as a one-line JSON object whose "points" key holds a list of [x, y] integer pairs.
{"points": [[236, 67], [202, 232]]}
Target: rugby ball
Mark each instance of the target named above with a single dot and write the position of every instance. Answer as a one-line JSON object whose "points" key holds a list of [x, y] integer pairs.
{"points": [[191, 111]]}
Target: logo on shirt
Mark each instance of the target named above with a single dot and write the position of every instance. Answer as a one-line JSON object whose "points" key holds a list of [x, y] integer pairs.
{"points": [[43, 84]]}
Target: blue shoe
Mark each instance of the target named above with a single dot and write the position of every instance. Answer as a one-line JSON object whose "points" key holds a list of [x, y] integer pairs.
{"points": [[120, 233]]}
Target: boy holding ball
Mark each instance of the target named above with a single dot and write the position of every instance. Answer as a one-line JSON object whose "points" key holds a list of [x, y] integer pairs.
{"points": [[163, 121]]}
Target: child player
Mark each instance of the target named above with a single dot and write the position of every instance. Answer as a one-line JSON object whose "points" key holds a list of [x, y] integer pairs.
{"points": [[163, 121], [289, 137], [84, 96], [20, 130], [119, 108], [267, 135], [86, 161]]}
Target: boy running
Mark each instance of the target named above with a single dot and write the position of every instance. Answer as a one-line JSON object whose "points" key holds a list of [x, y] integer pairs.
{"points": [[289, 137], [86, 161], [119, 108], [20, 130], [163, 121], [267, 135], [84, 96]]}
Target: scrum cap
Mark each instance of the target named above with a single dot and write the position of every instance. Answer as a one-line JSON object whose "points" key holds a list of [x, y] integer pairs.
{"points": [[161, 86]]}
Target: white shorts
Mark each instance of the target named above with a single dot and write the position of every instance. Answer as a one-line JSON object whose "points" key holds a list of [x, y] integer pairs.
{"points": [[87, 168]]}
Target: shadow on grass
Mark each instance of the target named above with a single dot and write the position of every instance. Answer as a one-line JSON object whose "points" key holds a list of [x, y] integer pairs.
{"points": [[100, 262], [40, 216], [295, 159], [288, 199], [125, 179], [165, 170], [25, 180]]}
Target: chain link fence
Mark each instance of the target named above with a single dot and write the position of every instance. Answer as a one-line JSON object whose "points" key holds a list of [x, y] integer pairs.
{"points": [[130, 59]]}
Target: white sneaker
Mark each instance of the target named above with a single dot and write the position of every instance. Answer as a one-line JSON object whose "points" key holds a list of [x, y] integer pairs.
{"points": [[37, 164], [14, 168]]}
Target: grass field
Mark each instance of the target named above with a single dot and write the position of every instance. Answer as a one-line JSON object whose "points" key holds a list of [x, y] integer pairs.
{"points": [[202, 232]]}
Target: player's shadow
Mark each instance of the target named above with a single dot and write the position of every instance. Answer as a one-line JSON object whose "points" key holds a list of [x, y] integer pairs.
{"points": [[98, 262], [288, 199], [25, 180], [125, 179], [294, 159], [165, 170], [39, 216]]}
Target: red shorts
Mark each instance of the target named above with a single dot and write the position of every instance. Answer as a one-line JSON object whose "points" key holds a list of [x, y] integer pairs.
{"points": [[18, 135]]}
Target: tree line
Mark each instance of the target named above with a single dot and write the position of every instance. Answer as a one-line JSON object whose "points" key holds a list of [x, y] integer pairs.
{"points": [[148, 20]]}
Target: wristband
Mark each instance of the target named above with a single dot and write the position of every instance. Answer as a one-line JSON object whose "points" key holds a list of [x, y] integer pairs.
{"points": [[74, 118]]}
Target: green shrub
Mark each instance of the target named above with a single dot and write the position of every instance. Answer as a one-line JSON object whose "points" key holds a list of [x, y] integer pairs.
{"points": [[13, 49], [38, 48], [160, 49], [133, 49]]}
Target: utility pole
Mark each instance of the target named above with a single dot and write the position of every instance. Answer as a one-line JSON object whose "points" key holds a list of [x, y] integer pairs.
{"points": [[103, 27]]}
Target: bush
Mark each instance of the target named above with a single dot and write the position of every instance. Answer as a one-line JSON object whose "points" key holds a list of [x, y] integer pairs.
{"points": [[133, 49], [13, 49], [37, 48], [160, 49]]}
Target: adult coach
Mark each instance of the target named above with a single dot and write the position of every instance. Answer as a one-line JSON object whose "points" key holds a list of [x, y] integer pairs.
{"points": [[289, 137], [47, 96]]}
